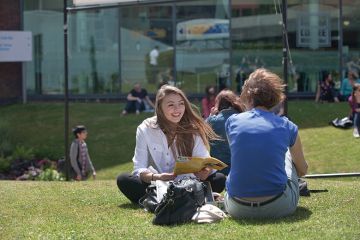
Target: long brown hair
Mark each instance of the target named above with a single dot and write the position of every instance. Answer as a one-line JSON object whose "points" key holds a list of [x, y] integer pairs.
{"points": [[190, 124], [226, 99]]}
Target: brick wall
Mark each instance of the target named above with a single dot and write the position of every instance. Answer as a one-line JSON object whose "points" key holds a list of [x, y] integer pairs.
{"points": [[10, 73]]}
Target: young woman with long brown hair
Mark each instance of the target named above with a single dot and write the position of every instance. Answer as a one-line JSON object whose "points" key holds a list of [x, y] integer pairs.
{"points": [[175, 130]]}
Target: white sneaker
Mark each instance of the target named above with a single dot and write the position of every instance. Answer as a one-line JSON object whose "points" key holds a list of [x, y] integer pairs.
{"points": [[356, 133]]}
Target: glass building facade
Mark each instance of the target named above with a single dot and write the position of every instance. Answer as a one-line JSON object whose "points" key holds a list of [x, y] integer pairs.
{"points": [[200, 42]]}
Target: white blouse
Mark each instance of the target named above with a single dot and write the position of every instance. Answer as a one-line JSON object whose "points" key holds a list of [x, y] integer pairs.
{"points": [[152, 152]]}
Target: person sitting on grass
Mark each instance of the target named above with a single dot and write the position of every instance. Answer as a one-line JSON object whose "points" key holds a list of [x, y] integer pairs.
{"points": [[266, 153], [137, 100], [226, 104], [347, 85], [326, 91], [354, 101], [175, 130], [208, 101], [79, 155]]}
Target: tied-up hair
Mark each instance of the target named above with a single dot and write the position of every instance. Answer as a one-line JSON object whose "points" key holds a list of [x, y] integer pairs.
{"points": [[191, 124], [263, 88]]}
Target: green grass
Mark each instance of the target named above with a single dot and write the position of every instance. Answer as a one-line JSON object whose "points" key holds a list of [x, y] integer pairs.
{"points": [[111, 137], [96, 210]]}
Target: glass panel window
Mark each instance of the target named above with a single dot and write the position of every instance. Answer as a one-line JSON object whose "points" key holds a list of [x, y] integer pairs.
{"points": [[351, 42], [202, 45], [256, 38], [313, 40], [93, 52], [45, 74], [146, 52]]}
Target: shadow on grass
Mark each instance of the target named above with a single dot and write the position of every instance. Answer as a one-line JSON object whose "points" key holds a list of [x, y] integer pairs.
{"points": [[300, 214], [129, 205]]}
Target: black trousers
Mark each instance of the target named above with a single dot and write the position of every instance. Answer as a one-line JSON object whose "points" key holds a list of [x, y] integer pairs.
{"points": [[133, 188], [132, 106]]}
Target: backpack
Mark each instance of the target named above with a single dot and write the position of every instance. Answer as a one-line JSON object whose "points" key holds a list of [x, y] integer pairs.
{"points": [[342, 123]]}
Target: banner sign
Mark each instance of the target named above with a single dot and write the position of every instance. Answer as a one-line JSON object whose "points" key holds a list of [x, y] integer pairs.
{"points": [[201, 29], [15, 46], [98, 2]]}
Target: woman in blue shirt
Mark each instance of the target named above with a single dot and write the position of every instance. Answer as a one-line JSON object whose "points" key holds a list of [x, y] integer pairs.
{"points": [[266, 153], [347, 85]]}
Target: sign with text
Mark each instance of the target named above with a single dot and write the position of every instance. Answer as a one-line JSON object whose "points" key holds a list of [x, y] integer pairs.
{"points": [[97, 2], [313, 30], [15, 46]]}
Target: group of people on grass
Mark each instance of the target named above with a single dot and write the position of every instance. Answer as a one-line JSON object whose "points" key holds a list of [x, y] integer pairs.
{"points": [[326, 92], [263, 150]]}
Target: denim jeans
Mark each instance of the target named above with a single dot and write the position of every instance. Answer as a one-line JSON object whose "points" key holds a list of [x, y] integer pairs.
{"points": [[357, 120]]}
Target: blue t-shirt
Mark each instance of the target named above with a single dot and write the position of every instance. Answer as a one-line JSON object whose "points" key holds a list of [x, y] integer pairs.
{"points": [[258, 142], [346, 87]]}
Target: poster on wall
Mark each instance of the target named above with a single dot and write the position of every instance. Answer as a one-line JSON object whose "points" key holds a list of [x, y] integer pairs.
{"points": [[15, 46], [202, 29]]}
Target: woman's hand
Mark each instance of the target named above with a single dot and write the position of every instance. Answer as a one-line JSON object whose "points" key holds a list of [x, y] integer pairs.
{"points": [[164, 176], [203, 174]]}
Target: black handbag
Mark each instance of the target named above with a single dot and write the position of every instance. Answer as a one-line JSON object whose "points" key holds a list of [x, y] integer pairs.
{"points": [[181, 201], [149, 201]]}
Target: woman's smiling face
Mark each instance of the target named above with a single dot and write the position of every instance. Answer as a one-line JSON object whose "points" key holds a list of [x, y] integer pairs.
{"points": [[173, 107]]}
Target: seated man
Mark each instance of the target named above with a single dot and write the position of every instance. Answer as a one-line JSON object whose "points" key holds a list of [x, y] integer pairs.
{"points": [[137, 99]]}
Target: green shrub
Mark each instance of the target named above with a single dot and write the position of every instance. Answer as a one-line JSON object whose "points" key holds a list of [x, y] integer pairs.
{"points": [[50, 175], [6, 145], [42, 152], [5, 163], [23, 153]]}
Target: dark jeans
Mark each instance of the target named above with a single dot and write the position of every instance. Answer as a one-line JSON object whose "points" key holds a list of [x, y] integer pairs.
{"points": [[132, 106], [133, 188], [153, 72], [357, 120]]}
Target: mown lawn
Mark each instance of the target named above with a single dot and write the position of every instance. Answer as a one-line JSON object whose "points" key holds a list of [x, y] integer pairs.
{"points": [[96, 210], [111, 139]]}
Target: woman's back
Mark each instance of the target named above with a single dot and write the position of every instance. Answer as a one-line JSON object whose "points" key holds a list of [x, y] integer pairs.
{"points": [[220, 148]]}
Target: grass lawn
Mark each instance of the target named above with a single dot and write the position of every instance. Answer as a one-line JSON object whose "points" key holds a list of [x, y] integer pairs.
{"points": [[95, 209], [111, 139]]}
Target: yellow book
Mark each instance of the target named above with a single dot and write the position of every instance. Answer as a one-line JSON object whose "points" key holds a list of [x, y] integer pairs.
{"points": [[195, 164]]}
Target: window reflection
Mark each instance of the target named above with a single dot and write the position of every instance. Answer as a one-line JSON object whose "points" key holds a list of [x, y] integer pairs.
{"points": [[202, 45], [109, 49], [146, 50], [313, 40], [256, 38]]}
